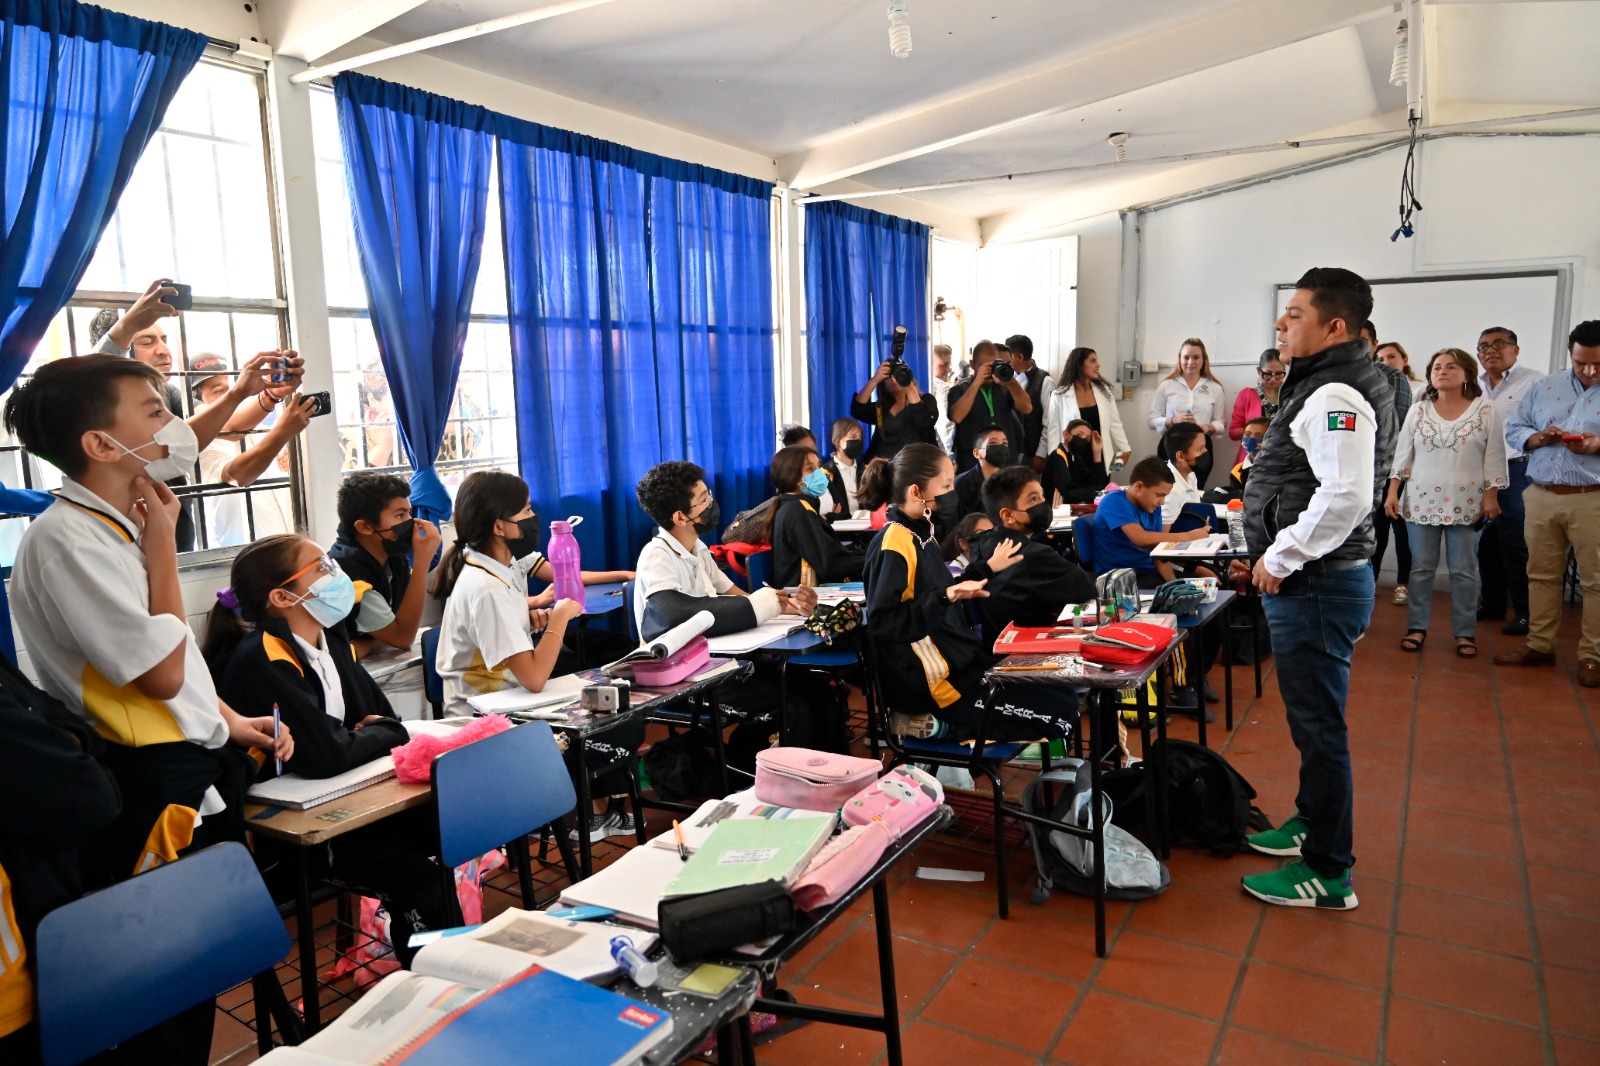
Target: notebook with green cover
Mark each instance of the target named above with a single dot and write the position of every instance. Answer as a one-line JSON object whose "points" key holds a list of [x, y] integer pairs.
{"points": [[747, 851]]}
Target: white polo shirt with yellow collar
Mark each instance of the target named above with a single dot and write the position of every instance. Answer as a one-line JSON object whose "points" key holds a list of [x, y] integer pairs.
{"points": [[485, 623]]}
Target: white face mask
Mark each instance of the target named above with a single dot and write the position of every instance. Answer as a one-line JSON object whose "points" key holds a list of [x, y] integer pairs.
{"points": [[183, 449]]}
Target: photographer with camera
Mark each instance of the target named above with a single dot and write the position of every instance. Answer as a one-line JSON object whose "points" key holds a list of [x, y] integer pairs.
{"points": [[994, 397], [901, 413]]}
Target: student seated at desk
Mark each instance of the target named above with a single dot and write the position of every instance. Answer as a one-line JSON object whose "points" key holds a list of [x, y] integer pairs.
{"points": [[843, 467], [1076, 471], [273, 641], [486, 637], [1250, 443], [957, 547], [1127, 525], [804, 550], [678, 578], [1185, 444], [992, 451], [387, 553], [929, 656]]}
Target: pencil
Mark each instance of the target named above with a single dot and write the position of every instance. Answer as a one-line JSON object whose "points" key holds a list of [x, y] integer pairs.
{"points": [[683, 851]]}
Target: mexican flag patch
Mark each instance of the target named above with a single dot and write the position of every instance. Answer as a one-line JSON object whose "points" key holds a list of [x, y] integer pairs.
{"points": [[1342, 420]]}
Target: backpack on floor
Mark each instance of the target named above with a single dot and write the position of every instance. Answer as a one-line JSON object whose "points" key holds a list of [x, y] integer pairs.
{"points": [[1066, 861], [1208, 801]]}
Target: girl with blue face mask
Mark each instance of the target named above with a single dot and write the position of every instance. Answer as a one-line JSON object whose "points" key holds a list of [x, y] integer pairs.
{"points": [[804, 550], [274, 643]]}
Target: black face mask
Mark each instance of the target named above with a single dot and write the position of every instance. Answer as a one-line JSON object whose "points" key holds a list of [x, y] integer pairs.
{"points": [[708, 518], [998, 455], [946, 503], [401, 544], [1081, 448], [528, 543], [1039, 516], [852, 448]]}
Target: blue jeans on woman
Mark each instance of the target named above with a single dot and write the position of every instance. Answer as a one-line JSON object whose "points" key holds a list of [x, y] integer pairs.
{"points": [[1315, 618], [1460, 546]]}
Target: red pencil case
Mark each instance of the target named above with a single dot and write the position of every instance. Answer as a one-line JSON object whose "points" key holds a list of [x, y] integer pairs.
{"points": [[1124, 643]]}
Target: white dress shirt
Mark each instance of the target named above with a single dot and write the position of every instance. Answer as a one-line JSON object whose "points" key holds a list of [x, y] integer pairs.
{"points": [[1506, 396], [1344, 462]]}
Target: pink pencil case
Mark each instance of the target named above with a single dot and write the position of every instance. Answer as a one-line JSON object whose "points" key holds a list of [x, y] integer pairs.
{"points": [[900, 799], [841, 864], [811, 780], [685, 662]]}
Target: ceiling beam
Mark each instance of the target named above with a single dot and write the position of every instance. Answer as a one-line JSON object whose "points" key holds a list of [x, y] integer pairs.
{"points": [[1244, 29], [310, 29]]}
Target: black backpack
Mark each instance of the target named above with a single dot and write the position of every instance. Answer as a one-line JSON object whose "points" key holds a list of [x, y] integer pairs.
{"points": [[1208, 801]]}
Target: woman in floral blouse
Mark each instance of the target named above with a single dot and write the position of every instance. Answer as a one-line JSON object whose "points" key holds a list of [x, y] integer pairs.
{"points": [[1451, 457]]}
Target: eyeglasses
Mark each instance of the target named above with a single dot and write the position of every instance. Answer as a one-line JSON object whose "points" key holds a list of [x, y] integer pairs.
{"points": [[323, 563], [1274, 373], [1494, 346]]}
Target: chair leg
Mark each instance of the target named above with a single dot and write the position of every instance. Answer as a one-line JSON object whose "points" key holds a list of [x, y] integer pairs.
{"points": [[524, 870], [569, 859], [637, 803], [272, 1006], [998, 800]]}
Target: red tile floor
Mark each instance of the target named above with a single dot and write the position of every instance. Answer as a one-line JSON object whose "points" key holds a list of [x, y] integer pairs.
{"points": [[1477, 939]]}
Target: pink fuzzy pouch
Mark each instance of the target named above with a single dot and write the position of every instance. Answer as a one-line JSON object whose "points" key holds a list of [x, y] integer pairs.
{"points": [[413, 761]]}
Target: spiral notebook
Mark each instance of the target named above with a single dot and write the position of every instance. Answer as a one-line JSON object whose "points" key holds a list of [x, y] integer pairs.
{"points": [[297, 793]]}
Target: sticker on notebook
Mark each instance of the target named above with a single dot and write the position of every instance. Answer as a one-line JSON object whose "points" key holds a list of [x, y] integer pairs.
{"points": [[746, 856], [1342, 420]]}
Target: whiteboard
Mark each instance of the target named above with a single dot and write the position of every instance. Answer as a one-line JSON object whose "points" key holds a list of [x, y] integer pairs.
{"points": [[1426, 314]]}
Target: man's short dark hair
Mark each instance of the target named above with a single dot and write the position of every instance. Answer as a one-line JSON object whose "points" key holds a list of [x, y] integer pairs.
{"points": [[1180, 437], [1151, 471], [795, 434], [668, 488], [65, 399], [1339, 293], [365, 495], [1511, 334], [1372, 331], [1003, 488], [1584, 335], [1020, 344], [102, 322]]}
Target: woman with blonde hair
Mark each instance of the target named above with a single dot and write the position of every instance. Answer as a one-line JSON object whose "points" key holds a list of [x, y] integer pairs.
{"points": [[1392, 354], [1192, 393], [1451, 455]]}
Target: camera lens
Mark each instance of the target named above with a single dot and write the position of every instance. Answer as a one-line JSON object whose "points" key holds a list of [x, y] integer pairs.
{"points": [[901, 374], [1002, 370]]}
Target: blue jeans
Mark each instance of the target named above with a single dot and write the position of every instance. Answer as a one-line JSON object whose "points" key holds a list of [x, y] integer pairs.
{"points": [[1460, 543], [1314, 619]]}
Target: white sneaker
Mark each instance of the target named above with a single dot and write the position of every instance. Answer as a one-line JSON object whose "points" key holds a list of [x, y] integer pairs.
{"points": [[1401, 596], [920, 726], [610, 824], [958, 777]]}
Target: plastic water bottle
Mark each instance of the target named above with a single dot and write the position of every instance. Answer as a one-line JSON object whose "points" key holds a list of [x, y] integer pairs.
{"points": [[1236, 525], [566, 560], [635, 965]]}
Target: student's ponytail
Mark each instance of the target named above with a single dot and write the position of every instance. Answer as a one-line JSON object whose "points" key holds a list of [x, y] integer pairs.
{"points": [[262, 566], [485, 497], [876, 481], [888, 482]]}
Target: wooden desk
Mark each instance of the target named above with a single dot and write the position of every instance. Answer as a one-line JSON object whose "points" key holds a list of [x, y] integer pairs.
{"points": [[315, 826]]}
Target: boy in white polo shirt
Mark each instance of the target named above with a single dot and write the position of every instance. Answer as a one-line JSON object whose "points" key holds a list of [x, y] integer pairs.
{"points": [[96, 594]]}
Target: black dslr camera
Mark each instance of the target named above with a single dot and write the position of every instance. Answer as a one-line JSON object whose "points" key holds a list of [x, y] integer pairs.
{"points": [[898, 368], [1001, 370]]}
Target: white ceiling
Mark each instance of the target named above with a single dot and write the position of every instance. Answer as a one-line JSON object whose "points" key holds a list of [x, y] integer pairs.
{"points": [[1006, 86]]}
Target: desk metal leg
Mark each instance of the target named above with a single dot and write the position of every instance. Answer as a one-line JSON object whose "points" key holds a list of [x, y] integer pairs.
{"points": [[585, 805], [1163, 766], [747, 1041], [891, 996], [306, 934], [783, 700], [1195, 649], [1227, 666], [1099, 822]]}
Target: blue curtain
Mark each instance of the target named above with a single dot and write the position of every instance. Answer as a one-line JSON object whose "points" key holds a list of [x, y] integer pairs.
{"points": [[417, 167], [640, 294], [85, 90], [866, 272]]}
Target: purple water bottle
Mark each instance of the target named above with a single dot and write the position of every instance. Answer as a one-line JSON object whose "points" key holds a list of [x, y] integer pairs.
{"points": [[566, 560]]}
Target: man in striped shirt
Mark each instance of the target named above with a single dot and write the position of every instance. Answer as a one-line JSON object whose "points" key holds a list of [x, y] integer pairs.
{"points": [[1502, 550]]}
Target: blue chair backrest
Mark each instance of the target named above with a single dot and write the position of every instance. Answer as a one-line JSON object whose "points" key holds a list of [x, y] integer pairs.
{"points": [[759, 566], [1083, 539], [118, 961], [498, 789], [432, 683], [629, 590], [1207, 516]]}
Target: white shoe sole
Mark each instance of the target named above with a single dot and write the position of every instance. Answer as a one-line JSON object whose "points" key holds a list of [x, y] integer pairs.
{"points": [[1293, 853], [1324, 903]]}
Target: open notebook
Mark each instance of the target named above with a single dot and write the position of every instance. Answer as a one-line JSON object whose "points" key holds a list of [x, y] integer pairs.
{"points": [[297, 793], [669, 643]]}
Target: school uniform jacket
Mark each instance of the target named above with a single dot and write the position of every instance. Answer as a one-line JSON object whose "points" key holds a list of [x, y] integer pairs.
{"points": [[1074, 474], [837, 503], [269, 667], [1030, 592], [804, 550], [929, 655]]}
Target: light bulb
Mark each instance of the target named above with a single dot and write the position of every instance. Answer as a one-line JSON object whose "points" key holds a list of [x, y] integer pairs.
{"points": [[899, 29], [1400, 71]]}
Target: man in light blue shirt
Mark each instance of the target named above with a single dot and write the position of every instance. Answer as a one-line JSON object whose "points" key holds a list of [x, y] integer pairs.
{"points": [[1558, 426], [1502, 551]]}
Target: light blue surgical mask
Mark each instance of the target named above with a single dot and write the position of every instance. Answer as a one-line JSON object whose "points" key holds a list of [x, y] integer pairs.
{"points": [[330, 599], [815, 483]]}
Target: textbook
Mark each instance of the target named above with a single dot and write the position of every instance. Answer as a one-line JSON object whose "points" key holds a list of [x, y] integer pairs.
{"points": [[297, 793], [537, 1016], [631, 886], [747, 851], [557, 692], [1212, 545], [1050, 639], [667, 644], [499, 950]]}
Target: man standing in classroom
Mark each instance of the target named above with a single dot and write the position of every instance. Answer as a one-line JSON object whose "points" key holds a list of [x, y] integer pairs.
{"points": [[1308, 522], [1558, 426], [1502, 549]]}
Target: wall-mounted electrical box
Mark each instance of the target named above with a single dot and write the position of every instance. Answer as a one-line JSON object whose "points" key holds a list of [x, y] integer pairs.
{"points": [[1130, 373]]}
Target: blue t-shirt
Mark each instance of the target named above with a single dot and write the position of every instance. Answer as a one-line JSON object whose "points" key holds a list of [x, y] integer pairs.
{"points": [[1112, 548]]}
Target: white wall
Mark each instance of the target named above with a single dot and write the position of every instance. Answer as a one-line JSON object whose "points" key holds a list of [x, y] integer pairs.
{"points": [[1208, 268]]}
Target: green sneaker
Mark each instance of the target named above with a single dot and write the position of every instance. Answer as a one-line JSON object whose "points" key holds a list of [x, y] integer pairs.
{"points": [[1284, 840], [1298, 885]]}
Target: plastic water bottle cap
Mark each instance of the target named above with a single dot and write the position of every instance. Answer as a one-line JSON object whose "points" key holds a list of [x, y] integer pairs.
{"points": [[574, 520], [1235, 505]]}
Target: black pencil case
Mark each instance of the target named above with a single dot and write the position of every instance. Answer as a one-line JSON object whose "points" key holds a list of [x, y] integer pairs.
{"points": [[710, 923]]}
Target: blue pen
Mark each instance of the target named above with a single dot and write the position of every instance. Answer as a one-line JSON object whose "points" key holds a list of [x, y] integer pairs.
{"points": [[277, 731]]}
